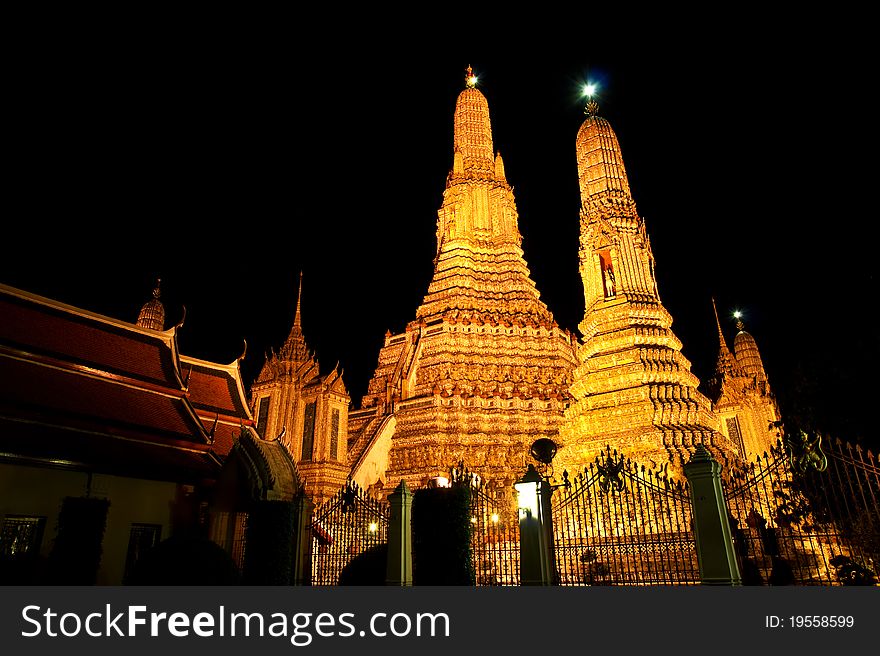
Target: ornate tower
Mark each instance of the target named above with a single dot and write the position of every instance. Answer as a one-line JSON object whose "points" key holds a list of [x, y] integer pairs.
{"points": [[729, 389], [741, 395], [749, 357], [633, 389], [483, 370], [152, 314], [291, 401]]}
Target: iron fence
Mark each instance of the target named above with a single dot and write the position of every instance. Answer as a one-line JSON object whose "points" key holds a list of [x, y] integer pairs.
{"points": [[344, 527], [622, 524], [494, 535], [804, 515]]}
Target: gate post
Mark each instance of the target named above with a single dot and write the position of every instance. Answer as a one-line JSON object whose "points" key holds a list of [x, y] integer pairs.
{"points": [[534, 557], [399, 567], [715, 552], [302, 548]]}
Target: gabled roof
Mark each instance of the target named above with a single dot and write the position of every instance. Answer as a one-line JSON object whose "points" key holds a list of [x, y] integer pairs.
{"points": [[81, 389], [41, 326], [216, 388]]}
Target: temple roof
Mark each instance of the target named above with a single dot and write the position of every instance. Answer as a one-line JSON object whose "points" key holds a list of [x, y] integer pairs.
{"points": [[101, 386], [215, 387], [48, 328]]}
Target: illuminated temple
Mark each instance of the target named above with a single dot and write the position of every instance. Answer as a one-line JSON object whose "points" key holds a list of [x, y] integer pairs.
{"points": [[483, 370]]}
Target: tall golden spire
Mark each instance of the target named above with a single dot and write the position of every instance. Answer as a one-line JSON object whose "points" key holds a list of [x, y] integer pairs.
{"points": [[294, 347], [633, 385], [473, 131], [599, 158], [297, 321], [726, 363], [484, 369], [479, 266], [721, 339]]}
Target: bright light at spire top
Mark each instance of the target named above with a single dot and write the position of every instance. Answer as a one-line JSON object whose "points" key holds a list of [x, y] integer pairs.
{"points": [[737, 314], [590, 89], [470, 79]]}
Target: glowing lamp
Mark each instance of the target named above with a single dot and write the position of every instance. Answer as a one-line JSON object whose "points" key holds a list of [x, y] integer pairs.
{"points": [[737, 314], [494, 518], [373, 527], [527, 492], [590, 89], [472, 80]]}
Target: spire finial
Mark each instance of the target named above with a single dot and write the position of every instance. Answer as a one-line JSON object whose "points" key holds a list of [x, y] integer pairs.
{"points": [[592, 108], [152, 314], [296, 319], [718, 323], [739, 321], [470, 79]]}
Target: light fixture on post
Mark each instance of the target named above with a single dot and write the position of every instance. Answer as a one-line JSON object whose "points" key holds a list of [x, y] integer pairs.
{"points": [[534, 562], [535, 491]]}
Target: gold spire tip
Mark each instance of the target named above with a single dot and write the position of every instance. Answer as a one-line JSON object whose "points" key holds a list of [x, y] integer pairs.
{"points": [[470, 79]]}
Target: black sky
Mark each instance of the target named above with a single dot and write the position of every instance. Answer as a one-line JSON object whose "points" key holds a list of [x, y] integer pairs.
{"points": [[227, 174]]}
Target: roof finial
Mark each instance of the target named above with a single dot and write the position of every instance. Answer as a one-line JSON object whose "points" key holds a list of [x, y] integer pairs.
{"points": [[592, 108], [470, 79], [152, 314], [296, 319], [739, 322]]}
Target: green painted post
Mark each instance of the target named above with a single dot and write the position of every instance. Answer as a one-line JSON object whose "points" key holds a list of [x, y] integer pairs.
{"points": [[302, 546], [399, 568], [715, 552]]}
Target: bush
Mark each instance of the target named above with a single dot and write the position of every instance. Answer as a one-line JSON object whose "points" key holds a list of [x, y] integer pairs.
{"points": [[269, 543], [187, 559], [441, 529], [368, 568], [76, 552]]}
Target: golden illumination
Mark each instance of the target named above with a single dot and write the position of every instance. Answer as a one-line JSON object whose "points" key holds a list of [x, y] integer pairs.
{"points": [[494, 518], [483, 369], [373, 527]]}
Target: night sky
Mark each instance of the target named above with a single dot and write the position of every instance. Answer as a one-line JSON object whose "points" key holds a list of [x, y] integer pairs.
{"points": [[227, 175]]}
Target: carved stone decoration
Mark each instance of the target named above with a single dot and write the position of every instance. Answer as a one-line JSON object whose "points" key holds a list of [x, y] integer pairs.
{"points": [[483, 370]]}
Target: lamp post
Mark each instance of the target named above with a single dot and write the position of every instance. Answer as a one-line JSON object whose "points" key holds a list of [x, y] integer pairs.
{"points": [[534, 554]]}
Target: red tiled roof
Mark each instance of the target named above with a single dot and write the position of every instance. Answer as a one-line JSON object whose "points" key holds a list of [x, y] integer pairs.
{"points": [[60, 333], [224, 436], [213, 389], [29, 389]]}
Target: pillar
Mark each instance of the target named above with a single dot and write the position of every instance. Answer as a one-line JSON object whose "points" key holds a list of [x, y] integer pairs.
{"points": [[399, 568], [302, 547], [715, 552]]}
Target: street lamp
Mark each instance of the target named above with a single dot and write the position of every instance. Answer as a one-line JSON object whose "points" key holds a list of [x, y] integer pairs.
{"points": [[534, 560]]}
